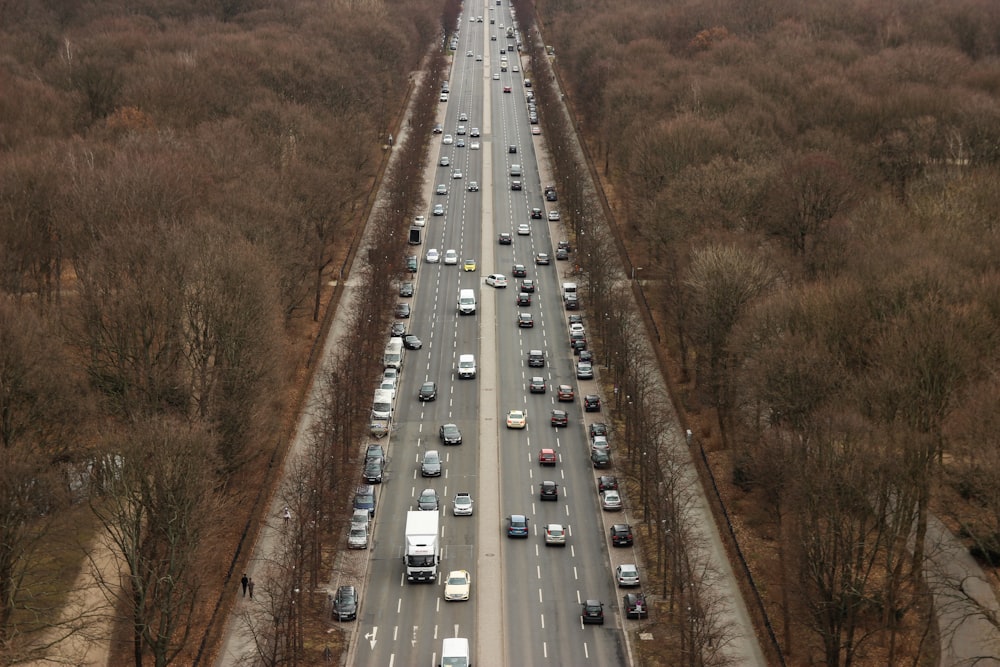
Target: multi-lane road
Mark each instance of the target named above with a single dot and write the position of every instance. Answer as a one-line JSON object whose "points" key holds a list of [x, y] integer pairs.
{"points": [[525, 602]]}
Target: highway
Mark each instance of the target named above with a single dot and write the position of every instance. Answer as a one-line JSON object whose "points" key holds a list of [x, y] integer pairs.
{"points": [[532, 604]]}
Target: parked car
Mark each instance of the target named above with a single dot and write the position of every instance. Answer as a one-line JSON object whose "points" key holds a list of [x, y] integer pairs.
{"points": [[592, 403], [635, 605], [611, 501], [627, 575], [406, 289], [357, 536], [606, 482], [621, 535], [345, 603], [584, 370]]}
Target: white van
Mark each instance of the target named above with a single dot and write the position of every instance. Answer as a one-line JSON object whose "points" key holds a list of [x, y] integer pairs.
{"points": [[568, 288], [382, 404], [455, 653], [466, 366], [393, 355], [466, 302], [515, 171]]}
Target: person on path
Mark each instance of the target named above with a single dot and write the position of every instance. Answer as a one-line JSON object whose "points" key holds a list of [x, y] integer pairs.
{"points": [[287, 514], [244, 581], [250, 587]]}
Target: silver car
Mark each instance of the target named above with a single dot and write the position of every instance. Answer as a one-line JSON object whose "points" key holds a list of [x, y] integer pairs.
{"points": [[627, 575], [462, 505], [358, 537], [555, 534], [611, 501]]}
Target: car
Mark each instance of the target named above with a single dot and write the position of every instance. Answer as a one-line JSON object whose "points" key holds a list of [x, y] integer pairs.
{"points": [[597, 428], [515, 68], [533, 118], [542, 258], [428, 501], [512, 148], [445, 161], [411, 263], [411, 342], [457, 585], [536, 359], [548, 490], [635, 605], [462, 504], [586, 355], [460, 143], [561, 254], [441, 189], [571, 302], [575, 318], [516, 419], [518, 271], [565, 393], [506, 89], [447, 139], [584, 370], [627, 575], [438, 209], [437, 129], [536, 214], [433, 256], [578, 345], [456, 173], [419, 221], [390, 373], [547, 457], [502, 51], [553, 216], [611, 501], [473, 145], [577, 328], [536, 385], [463, 116], [450, 434], [607, 482], [592, 403], [406, 289], [550, 193], [444, 96], [479, 59], [593, 613], [515, 186], [621, 535], [473, 186], [536, 130], [523, 299], [345, 603], [474, 132], [600, 442], [496, 75], [555, 535], [505, 238], [523, 229], [374, 470], [469, 53], [517, 525], [564, 245], [364, 499], [600, 459], [428, 391], [389, 385], [469, 265], [430, 466], [450, 257], [560, 418], [528, 285], [397, 330], [496, 280], [401, 310], [525, 321]]}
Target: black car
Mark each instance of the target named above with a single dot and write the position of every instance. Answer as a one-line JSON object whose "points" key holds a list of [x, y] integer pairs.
{"points": [[525, 321], [428, 391], [411, 342], [518, 271], [575, 319], [536, 385], [523, 299], [542, 258], [528, 285], [505, 238], [578, 345], [406, 289], [550, 193], [586, 355], [536, 359], [515, 186], [600, 458], [593, 612], [511, 148], [621, 535], [563, 245], [374, 469], [548, 491], [536, 214], [450, 435], [635, 605], [411, 263], [607, 483], [592, 403], [572, 303], [598, 428], [402, 310], [397, 330], [560, 418], [345, 604]]}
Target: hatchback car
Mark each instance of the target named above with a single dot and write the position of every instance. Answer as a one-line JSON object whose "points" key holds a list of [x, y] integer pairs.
{"points": [[517, 525], [457, 585], [528, 285], [572, 302], [600, 459], [592, 403], [374, 469], [506, 89], [635, 605], [433, 256], [593, 613], [597, 428], [402, 310], [428, 391], [523, 299], [536, 385], [536, 359], [565, 392], [555, 535], [462, 504], [406, 289], [536, 214], [450, 257], [559, 418], [419, 221], [450, 434], [430, 466], [469, 265], [553, 216], [621, 535], [525, 321], [627, 575], [428, 501], [606, 482], [460, 142], [523, 229], [578, 345], [411, 342], [496, 280], [584, 370], [547, 457], [516, 419], [548, 490], [518, 271], [505, 238], [611, 501], [345, 603]]}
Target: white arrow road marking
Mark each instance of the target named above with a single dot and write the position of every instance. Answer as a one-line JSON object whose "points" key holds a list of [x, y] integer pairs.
{"points": [[371, 636]]}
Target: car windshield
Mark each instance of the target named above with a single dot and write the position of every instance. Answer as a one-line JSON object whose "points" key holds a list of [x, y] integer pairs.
{"points": [[456, 580]]}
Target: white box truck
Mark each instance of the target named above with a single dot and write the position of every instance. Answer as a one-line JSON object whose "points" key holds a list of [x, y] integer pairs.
{"points": [[392, 357], [420, 555]]}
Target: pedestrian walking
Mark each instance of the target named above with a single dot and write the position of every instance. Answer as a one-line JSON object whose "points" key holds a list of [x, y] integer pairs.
{"points": [[250, 587], [245, 582], [287, 514]]}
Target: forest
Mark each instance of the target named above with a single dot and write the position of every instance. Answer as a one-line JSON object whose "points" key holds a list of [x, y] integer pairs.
{"points": [[806, 197]]}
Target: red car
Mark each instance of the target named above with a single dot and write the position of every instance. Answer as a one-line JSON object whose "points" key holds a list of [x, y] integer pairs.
{"points": [[560, 418], [547, 457], [506, 89], [565, 392]]}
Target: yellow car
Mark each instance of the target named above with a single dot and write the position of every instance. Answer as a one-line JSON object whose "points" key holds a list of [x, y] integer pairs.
{"points": [[517, 419], [469, 265]]}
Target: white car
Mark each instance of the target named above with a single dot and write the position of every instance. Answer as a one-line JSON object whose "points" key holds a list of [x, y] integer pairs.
{"points": [[515, 68], [474, 146], [523, 229], [443, 97], [438, 209], [441, 189], [473, 186], [444, 161], [463, 116], [358, 537], [474, 132], [496, 280], [433, 256], [496, 77], [457, 173], [553, 216], [576, 327], [457, 585], [419, 221], [555, 534], [450, 257], [517, 419], [479, 59], [628, 575], [462, 505], [447, 139]]}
